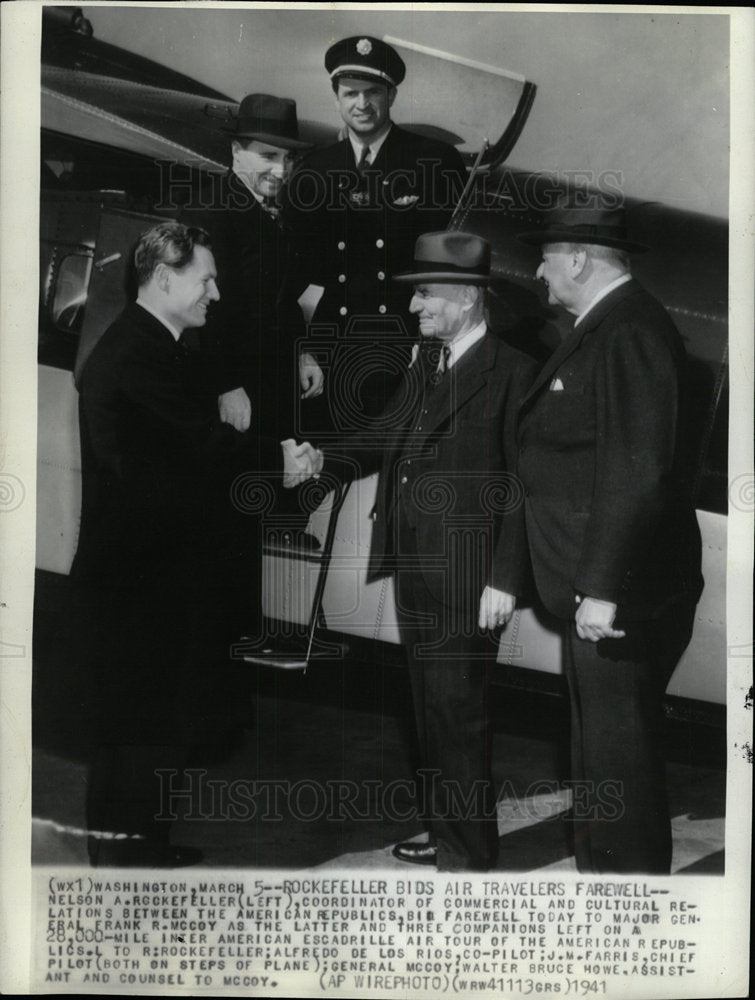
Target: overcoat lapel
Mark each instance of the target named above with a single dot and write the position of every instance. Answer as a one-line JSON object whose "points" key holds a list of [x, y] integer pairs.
{"points": [[571, 342], [461, 383]]}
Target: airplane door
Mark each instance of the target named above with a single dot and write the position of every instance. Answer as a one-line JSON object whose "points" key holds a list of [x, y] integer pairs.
{"points": [[112, 283]]}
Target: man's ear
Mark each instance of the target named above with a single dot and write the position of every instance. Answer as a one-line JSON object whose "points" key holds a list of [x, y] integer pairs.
{"points": [[468, 297], [391, 96], [578, 261], [162, 277]]}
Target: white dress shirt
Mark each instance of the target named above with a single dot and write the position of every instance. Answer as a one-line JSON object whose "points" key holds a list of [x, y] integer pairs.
{"points": [[374, 146], [461, 344]]}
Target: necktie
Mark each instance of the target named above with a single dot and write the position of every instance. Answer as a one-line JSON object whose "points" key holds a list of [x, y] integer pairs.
{"points": [[438, 357], [363, 159], [270, 205], [445, 358]]}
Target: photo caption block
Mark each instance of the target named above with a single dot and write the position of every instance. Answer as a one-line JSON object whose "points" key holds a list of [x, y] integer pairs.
{"points": [[373, 934]]}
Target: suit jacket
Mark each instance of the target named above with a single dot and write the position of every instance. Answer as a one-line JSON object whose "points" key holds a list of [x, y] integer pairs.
{"points": [[444, 471], [157, 546], [252, 335], [352, 233], [608, 507]]}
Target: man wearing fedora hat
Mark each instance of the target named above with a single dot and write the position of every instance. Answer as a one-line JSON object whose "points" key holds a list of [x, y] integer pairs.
{"points": [[356, 209], [253, 338], [611, 529], [445, 502]]}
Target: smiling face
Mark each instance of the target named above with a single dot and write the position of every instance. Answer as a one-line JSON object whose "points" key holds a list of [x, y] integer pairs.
{"points": [[262, 167], [442, 310], [189, 290], [364, 106]]}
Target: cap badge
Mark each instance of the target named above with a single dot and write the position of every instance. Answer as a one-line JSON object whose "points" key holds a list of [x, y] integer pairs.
{"points": [[364, 46]]}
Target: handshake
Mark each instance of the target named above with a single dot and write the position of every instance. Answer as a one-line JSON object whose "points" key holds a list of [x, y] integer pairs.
{"points": [[300, 462]]}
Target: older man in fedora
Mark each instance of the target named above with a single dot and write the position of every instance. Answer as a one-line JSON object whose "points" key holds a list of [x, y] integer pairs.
{"points": [[356, 209], [445, 503], [611, 529]]}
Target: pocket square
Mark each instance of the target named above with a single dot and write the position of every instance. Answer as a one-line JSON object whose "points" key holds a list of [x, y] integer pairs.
{"points": [[556, 385]]}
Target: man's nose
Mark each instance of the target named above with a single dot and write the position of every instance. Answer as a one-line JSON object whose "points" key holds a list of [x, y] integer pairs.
{"points": [[415, 305], [278, 169], [212, 292], [362, 101]]}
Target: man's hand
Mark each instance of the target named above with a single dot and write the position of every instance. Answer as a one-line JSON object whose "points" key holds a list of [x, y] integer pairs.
{"points": [[310, 376], [235, 409], [300, 462], [496, 607], [594, 620]]}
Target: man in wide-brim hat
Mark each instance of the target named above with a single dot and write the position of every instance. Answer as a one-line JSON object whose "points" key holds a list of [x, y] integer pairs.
{"points": [[253, 339], [611, 528], [445, 501]]}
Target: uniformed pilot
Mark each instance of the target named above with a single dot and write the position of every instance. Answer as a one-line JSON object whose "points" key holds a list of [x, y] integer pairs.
{"points": [[355, 210]]}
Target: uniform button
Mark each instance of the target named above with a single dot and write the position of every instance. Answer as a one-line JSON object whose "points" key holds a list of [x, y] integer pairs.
{"points": [[341, 245], [343, 310], [381, 275], [380, 244], [381, 309], [342, 278], [404, 480]]}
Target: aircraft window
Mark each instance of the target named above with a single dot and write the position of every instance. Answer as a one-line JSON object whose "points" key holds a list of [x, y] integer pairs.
{"points": [[71, 285]]}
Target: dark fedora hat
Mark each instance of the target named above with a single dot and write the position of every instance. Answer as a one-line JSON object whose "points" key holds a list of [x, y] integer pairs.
{"points": [[269, 119], [365, 56], [572, 224], [449, 258]]}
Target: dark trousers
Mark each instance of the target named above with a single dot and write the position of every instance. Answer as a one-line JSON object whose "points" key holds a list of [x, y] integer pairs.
{"points": [[616, 687], [126, 792], [449, 663]]}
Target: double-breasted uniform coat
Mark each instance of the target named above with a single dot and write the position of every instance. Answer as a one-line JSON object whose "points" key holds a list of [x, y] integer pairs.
{"points": [[351, 233]]}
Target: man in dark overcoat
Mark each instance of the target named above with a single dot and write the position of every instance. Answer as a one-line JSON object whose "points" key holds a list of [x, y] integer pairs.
{"points": [[253, 337], [157, 561], [355, 210], [445, 503], [611, 530]]}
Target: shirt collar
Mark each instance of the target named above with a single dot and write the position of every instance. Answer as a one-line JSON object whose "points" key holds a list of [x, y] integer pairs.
{"points": [[461, 344], [602, 294], [175, 333], [257, 197], [375, 146]]}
